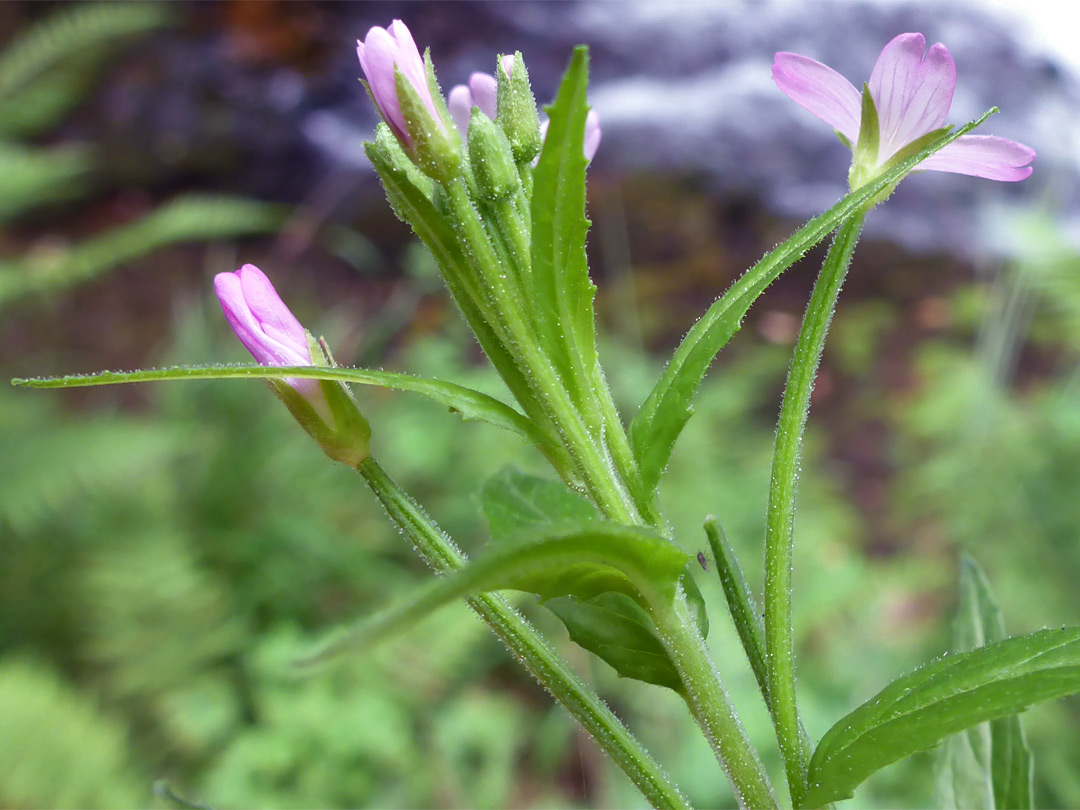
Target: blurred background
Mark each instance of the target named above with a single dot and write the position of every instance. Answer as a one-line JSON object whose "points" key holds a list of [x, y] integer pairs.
{"points": [[167, 550]]}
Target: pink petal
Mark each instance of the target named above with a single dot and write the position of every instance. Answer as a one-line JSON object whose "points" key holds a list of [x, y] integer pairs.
{"points": [[592, 134], [913, 90], [484, 89], [821, 90], [460, 102], [260, 319], [377, 55], [508, 64], [983, 156], [411, 63]]}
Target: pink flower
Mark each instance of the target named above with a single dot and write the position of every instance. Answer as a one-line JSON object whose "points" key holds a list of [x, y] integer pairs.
{"points": [[263, 323], [912, 90], [379, 53]]}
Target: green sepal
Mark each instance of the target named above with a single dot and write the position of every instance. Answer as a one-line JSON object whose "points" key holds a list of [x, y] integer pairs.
{"points": [[492, 162], [583, 561], [389, 149], [436, 147], [864, 164], [516, 108], [621, 633], [332, 418], [954, 693]]}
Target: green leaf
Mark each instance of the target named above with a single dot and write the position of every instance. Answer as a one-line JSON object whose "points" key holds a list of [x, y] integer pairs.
{"points": [[470, 404], [515, 503], [562, 292], [988, 765], [610, 625], [620, 632], [583, 561], [661, 418], [951, 694]]}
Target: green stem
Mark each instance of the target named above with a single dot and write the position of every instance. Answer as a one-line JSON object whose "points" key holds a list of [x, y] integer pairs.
{"points": [[588, 450], [710, 705], [779, 648], [529, 647], [744, 613]]}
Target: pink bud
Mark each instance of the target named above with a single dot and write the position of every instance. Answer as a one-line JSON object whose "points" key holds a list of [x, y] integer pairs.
{"points": [[263, 323], [379, 53]]}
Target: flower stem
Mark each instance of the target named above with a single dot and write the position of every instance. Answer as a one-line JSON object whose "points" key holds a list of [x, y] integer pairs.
{"points": [[780, 656], [586, 447], [710, 705], [528, 647]]}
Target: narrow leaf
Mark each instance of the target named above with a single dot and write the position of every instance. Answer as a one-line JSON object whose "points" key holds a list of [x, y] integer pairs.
{"points": [[951, 694], [580, 561], [562, 290], [470, 404], [667, 409]]}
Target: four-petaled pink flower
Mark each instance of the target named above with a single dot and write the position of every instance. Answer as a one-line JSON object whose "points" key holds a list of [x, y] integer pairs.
{"points": [[265, 326], [912, 90], [482, 92], [379, 52]]}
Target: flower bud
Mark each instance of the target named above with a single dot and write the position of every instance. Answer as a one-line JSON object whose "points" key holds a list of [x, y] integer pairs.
{"points": [[273, 335], [517, 108], [491, 158], [402, 85]]}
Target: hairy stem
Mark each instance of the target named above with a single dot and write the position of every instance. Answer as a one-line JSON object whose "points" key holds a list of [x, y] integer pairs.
{"points": [[780, 655], [711, 706], [528, 647]]}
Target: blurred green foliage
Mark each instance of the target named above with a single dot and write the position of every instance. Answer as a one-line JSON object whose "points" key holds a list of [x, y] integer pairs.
{"points": [[162, 568]]}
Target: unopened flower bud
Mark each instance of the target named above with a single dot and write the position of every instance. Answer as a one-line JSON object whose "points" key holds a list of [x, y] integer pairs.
{"points": [[402, 85], [273, 335], [491, 158], [517, 108]]}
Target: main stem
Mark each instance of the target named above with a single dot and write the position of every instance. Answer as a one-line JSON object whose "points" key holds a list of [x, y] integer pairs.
{"points": [[712, 707], [780, 655], [529, 647]]}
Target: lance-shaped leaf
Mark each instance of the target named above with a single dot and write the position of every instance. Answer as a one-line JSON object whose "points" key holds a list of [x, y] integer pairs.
{"points": [[584, 561], [470, 404], [611, 625], [951, 694], [661, 418], [562, 292], [988, 765]]}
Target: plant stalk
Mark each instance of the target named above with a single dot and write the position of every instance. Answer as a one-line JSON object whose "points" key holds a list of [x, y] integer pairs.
{"points": [[528, 647], [711, 706], [779, 647]]}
